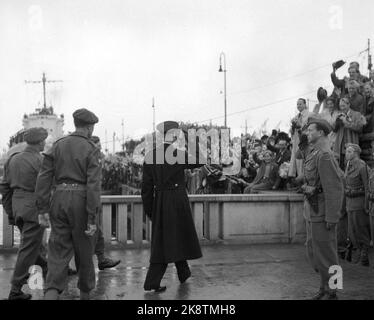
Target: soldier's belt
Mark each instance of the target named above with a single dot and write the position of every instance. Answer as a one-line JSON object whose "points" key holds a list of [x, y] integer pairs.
{"points": [[316, 190], [170, 187], [354, 193], [71, 186]]}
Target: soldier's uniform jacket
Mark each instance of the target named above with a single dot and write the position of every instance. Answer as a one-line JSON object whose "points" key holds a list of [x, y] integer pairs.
{"points": [[371, 191], [73, 159], [322, 173], [21, 172], [356, 190]]}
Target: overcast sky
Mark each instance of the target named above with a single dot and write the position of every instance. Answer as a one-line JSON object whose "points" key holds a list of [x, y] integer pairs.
{"points": [[115, 55]]}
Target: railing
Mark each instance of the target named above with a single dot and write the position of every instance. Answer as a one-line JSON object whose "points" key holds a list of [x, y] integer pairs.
{"points": [[226, 218]]}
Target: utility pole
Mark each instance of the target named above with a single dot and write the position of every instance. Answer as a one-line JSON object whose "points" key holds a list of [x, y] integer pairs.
{"points": [[114, 142], [123, 136], [44, 81], [106, 141], [224, 70], [154, 114], [246, 127], [370, 65]]}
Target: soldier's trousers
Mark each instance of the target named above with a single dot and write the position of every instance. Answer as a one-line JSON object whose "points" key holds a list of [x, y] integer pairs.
{"points": [[99, 246], [359, 228], [156, 272], [321, 249], [69, 221], [342, 234], [29, 250]]}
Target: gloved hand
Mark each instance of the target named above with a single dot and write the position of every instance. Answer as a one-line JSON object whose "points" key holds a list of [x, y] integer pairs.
{"points": [[11, 221], [91, 229], [329, 225], [44, 220]]}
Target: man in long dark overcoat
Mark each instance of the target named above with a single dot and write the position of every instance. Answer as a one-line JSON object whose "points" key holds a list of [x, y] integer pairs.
{"points": [[165, 200]]}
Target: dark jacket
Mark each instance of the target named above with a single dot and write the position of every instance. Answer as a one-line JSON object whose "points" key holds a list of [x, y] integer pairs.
{"points": [[368, 113], [280, 156], [261, 171], [166, 202], [356, 178]]}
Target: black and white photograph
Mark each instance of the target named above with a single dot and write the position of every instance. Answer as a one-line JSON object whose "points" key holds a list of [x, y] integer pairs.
{"points": [[205, 151]]}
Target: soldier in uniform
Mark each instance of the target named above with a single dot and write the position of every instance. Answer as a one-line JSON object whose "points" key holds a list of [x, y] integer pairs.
{"points": [[103, 261], [165, 200], [21, 172], [73, 165], [323, 190], [357, 204]]}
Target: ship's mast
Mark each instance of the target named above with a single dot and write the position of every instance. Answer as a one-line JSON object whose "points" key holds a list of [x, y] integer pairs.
{"points": [[44, 81]]}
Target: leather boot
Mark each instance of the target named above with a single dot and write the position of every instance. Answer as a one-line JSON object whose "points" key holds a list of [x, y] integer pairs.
{"points": [[364, 257]]}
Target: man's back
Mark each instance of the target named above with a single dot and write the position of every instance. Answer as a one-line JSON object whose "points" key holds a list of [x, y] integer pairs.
{"points": [[23, 168], [70, 156]]}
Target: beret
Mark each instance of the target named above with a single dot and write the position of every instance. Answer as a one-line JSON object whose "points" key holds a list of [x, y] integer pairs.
{"points": [[85, 116], [354, 146], [165, 126], [322, 123], [35, 135]]}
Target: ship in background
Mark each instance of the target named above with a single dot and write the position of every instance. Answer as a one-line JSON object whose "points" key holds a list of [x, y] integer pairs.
{"points": [[42, 117]]}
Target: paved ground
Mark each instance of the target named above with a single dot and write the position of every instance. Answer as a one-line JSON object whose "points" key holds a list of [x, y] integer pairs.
{"points": [[225, 272]]}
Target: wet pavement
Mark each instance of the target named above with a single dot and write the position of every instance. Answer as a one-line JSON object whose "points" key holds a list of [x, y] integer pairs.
{"points": [[271, 271]]}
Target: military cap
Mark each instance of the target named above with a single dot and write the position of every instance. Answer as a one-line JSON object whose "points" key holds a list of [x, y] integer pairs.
{"points": [[165, 126], [85, 116], [354, 146], [320, 122], [35, 135]]}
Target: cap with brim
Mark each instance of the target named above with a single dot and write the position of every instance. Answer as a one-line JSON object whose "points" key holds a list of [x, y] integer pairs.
{"points": [[35, 135], [322, 123]]}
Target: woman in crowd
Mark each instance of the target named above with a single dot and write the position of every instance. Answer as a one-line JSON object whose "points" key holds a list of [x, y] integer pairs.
{"points": [[348, 126], [266, 175]]}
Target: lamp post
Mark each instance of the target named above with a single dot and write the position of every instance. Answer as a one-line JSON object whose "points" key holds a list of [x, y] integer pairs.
{"points": [[222, 55]]}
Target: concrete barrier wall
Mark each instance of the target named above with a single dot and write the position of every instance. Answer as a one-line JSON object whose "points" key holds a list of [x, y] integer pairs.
{"points": [[262, 218]]}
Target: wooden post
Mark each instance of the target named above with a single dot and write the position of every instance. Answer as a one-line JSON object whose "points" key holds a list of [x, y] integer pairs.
{"points": [[8, 239], [107, 222], [198, 216], [137, 224], [122, 223]]}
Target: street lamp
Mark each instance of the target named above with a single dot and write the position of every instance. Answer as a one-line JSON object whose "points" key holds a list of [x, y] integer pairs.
{"points": [[224, 81]]}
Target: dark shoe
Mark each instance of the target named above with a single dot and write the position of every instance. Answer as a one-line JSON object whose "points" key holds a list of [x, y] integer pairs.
{"points": [[108, 263], [343, 256], [348, 255], [184, 276], [319, 295], [157, 290], [19, 295], [84, 295], [364, 258], [72, 272], [332, 296]]}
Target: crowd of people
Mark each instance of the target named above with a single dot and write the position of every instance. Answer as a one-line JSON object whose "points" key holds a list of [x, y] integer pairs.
{"points": [[275, 162]]}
